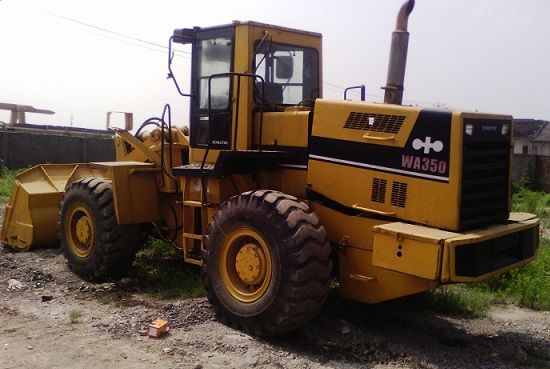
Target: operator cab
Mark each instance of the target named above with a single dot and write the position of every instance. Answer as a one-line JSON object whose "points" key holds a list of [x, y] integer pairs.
{"points": [[241, 70]]}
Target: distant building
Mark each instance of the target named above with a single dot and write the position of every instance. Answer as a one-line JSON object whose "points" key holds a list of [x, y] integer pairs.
{"points": [[531, 137], [541, 143]]}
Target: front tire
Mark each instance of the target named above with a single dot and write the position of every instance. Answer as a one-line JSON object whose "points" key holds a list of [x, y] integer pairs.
{"points": [[95, 245], [267, 263]]}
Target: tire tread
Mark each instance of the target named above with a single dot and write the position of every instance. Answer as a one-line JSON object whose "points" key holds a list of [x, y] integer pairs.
{"points": [[305, 256], [115, 245]]}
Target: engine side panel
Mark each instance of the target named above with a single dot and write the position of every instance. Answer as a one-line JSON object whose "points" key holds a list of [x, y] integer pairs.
{"points": [[397, 161]]}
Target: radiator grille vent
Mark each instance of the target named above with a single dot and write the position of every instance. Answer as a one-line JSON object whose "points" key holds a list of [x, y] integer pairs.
{"points": [[398, 194], [485, 179], [374, 122], [378, 190]]}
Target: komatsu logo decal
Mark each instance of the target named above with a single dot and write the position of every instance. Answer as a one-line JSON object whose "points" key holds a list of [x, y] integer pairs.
{"points": [[423, 163], [427, 145]]}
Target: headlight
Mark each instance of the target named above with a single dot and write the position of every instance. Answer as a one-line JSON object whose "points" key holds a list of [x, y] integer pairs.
{"points": [[469, 129], [505, 129]]}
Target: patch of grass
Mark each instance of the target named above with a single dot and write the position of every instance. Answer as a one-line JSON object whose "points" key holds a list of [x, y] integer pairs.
{"points": [[159, 270], [106, 299], [6, 183], [75, 315], [535, 202], [527, 286], [459, 300]]}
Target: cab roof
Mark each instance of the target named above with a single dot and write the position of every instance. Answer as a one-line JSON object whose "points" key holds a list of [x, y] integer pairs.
{"points": [[262, 25]]}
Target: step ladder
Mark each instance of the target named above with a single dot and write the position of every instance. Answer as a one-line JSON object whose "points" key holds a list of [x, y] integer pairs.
{"points": [[195, 221]]}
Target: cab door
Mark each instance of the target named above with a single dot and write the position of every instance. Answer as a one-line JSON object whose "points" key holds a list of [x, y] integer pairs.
{"points": [[211, 104]]}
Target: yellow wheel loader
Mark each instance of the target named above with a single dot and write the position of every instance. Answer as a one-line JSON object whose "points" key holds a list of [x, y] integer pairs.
{"points": [[278, 193]]}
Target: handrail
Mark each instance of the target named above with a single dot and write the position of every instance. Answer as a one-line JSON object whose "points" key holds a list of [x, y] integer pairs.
{"points": [[378, 212], [378, 138], [360, 87]]}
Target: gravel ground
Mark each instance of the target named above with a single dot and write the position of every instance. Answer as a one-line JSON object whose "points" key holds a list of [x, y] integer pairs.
{"points": [[35, 330]]}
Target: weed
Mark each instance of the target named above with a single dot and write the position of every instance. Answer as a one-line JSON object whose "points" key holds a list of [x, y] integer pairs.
{"points": [[161, 273], [414, 362], [528, 285], [75, 315], [528, 201], [6, 183], [106, 299], [459, 300]]}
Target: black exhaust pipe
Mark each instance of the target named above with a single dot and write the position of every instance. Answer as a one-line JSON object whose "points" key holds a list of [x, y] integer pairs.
{"points": [[398, 56]]}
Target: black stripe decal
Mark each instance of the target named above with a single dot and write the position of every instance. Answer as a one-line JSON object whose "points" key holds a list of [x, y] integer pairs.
{"points": [[425, 155], [341, 208], [377, 167]]}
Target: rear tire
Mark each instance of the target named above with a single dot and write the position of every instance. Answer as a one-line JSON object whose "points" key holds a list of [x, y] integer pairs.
{"points": [[267, 263], [95, 245]]}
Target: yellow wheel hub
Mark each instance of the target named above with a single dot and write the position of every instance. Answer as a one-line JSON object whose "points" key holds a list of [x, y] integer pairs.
{"points": [[79, 229], [83, 229], [249, 263], [245, 265]]}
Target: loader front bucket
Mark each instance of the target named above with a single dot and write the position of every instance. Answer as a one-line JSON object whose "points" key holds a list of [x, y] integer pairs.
{"points": [[31, 216]]}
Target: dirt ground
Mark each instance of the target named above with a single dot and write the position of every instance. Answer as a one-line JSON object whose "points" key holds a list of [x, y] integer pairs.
{"points": [[35, 330], [38, 294]]}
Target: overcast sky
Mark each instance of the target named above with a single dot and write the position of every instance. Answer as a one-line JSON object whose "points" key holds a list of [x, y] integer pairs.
{"points": [[490, 55]]}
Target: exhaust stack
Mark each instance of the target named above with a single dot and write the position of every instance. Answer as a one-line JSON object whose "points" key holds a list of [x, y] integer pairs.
{"points": [[398, 56]]}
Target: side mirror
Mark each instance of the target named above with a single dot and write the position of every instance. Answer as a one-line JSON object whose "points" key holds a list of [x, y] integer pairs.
{"points": [[284, 67], [182, 36]]}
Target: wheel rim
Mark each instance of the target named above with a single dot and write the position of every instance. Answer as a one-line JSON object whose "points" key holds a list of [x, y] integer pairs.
{"points": [[80, 230], [245, 265]]}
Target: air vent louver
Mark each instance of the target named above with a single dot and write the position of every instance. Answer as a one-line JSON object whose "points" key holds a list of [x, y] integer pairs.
{"points": [[374, 122], [398, 194], [378, 190], [485, 176]]}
